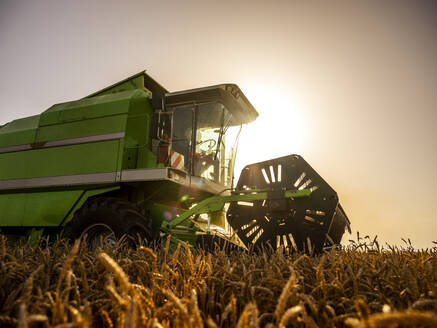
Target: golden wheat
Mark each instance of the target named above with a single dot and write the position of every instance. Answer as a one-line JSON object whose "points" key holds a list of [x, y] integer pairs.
{"points": [[362, 285]]}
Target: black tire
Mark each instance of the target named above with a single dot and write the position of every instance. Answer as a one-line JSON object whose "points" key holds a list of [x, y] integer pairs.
{"points": [[107, 220]]}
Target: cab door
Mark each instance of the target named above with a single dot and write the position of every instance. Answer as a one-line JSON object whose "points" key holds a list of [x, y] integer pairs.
{"points": [[182, 139]]}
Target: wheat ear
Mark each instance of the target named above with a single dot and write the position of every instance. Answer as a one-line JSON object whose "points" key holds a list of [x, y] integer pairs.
{"points": [[118, 272]]}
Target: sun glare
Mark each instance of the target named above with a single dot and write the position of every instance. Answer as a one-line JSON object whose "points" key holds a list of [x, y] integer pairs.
{"points": [[281, 128]]}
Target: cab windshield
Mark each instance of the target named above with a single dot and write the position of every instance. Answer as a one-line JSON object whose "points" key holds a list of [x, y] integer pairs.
{"points": [[206, 140], [215, 145]]}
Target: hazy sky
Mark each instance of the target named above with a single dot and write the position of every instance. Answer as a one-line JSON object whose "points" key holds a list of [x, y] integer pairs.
{"points": [[349, 85]]}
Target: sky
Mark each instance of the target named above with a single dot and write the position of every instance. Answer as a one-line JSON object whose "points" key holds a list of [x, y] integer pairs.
{"points": [[349, 85]]}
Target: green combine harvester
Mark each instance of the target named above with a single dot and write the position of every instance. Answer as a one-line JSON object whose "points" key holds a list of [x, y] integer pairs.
{"points": [[136, 160]]}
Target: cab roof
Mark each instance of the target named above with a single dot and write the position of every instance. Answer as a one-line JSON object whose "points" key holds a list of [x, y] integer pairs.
{"points": [[227, 95]]}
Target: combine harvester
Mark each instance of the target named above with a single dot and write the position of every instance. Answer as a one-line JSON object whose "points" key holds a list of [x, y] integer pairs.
{"points": [[134, 159]]}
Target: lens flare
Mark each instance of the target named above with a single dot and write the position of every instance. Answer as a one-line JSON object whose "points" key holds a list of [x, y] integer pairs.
{"points": [[167, 215]]}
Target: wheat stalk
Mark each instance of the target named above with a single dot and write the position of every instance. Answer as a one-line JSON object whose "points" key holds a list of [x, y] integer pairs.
{"points": [[249, 317], [67, 264], [289, 288], [107, 319], [195, 317], [149, 253], [3, 247], [22, 316]]}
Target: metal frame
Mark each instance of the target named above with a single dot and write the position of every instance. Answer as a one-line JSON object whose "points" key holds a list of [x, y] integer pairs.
{"points": [[228, 95], [216, 203], [64, 142], [58, 181], [136, 175]]}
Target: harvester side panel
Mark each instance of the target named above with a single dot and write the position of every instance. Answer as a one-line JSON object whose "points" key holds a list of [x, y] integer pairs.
{"points": [[18, 132], [58, 161], [85, 109], [132, 83], [40, 209], [48, 161], [99, 126], [49, 169], [137, 150]]}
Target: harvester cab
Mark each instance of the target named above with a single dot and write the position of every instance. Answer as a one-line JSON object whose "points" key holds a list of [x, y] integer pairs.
{"points": [[139, 161], [197, 131]]}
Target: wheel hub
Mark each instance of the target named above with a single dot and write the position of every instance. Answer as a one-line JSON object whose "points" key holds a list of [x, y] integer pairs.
{"points": [[98, 235]]}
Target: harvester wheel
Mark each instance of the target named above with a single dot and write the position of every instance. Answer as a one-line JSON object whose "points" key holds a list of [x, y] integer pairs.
{"points": [[107, 220]]}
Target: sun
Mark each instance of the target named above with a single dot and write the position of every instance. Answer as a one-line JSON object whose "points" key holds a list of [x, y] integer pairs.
{"points": [[281, 128]]}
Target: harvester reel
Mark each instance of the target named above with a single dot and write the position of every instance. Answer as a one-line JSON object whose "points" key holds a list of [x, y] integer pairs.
{"points": [[299, 224]]}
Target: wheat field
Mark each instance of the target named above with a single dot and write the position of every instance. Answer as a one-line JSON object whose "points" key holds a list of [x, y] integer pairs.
{"points": [[360, 285]]}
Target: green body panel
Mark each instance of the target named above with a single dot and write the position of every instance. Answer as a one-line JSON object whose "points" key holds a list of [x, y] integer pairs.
{"points": [[83, 197], [46, 208], [36, 208], [137, 152], [91, 127], [88, 108], [67, 160], [131, 83], [34, 236], [18, 132], [12, 207], [55, 144]]}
